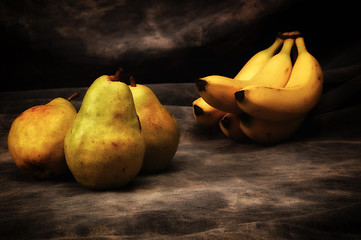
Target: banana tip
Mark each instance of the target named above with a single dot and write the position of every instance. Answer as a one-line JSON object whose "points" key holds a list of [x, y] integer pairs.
{"points": [[201, 84], [239, 96], [197, 110], [226, 122]]}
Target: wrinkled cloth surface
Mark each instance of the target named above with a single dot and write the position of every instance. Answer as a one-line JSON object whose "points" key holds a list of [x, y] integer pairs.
{"points": [[308, 187]]}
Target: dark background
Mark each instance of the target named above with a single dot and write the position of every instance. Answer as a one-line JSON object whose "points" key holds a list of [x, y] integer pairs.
{"points": [[308, 187], [58, 44]]}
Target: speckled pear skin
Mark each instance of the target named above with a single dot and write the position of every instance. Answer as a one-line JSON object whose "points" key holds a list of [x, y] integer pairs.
{"points": [[36, 139], [104, 148], [159, 128]]}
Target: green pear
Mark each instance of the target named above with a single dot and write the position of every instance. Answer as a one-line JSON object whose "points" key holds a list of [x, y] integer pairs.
{"points": [[159, 128], [36, 138], [104, 148]]}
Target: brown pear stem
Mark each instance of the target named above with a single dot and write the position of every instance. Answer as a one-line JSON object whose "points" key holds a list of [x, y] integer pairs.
{"points": [[132, 81], [116, 76], [74, 95]]}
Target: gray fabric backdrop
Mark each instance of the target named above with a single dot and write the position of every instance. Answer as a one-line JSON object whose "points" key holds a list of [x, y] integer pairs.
{"points": [[306, 188]]}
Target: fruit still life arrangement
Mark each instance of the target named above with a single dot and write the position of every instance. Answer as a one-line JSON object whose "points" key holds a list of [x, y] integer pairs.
{"points": [[119, 131], [122, 129], [268, 100]]}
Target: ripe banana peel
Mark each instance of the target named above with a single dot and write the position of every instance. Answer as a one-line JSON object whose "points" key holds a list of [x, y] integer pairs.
{"points": [[277, 70], [269, 97], [218, 91], [230, 126], [205, 113], [299, 96], [255, 63], [269, 132]]}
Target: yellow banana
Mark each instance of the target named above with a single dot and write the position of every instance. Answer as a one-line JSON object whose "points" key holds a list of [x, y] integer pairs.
{"points": [[277, 70], [218, 91], [269, 132], [206, 114], [255, 63], [300, 95], [230, 126]]}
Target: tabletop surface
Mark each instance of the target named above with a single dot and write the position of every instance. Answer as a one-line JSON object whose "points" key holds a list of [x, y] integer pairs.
{"points": [[215, 188]]}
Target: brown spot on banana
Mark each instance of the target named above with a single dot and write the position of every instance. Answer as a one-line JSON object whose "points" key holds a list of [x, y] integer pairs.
{"points": [[287, 70]]}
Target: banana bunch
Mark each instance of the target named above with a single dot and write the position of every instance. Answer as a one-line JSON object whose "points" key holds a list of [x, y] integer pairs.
{"points": [[269, 98]]}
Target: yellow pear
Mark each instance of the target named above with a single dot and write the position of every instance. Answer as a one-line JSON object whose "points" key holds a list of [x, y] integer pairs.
{"points": [[36, 138], [159, 128], [104, 148]]}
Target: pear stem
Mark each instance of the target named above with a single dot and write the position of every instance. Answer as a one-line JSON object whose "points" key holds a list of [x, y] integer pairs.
{"points": [[74, 95], [116, 76], [132, 81]]}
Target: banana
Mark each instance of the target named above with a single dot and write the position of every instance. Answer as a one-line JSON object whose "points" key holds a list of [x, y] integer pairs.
{"points": [[293, 35], [206, 114], [255, 63], [277, 70], [218, 91], [230, 126], [269, 132], [299, 96]]}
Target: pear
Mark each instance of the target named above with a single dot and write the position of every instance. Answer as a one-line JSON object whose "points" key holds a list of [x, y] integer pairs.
{"points": [[159, 128], [36, 138], [104, 148]]}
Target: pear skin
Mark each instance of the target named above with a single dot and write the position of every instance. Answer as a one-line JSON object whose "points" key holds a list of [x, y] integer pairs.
{"points": [[104, 148], [36, 139], [159, 129]]}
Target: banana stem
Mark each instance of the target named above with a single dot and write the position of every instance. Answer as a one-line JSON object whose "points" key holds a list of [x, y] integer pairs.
{"points": [[275, 46], [287, 46], [286, 35], [74, 95], [300, 44]]}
